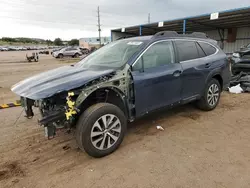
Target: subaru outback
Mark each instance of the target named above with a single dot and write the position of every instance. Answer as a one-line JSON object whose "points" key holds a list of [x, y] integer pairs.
{"points": [[123, 81]]}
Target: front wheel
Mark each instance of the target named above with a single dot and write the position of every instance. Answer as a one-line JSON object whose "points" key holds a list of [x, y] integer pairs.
{"points": [[60, 56], [101, 129], [211, 96]]}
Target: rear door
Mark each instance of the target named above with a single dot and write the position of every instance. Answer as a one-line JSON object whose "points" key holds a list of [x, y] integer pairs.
{"points": [[68, 51], [190, 58], [156, 78]]}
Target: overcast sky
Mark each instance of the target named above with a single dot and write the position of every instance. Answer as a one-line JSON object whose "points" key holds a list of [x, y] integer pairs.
{"points": [[69, 19]]}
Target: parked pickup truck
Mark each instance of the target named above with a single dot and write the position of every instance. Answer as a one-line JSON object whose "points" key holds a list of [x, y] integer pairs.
{"points": [[123, 81]]}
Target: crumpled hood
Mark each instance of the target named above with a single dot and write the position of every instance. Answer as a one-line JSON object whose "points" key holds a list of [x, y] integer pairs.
{"points": [[54, 81]]}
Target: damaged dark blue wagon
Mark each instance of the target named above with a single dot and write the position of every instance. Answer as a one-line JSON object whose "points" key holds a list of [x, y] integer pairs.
{"points": [[124, 80]]}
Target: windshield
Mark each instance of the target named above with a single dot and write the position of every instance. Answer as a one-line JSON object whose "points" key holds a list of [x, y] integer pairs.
{"points": [[113, 55]]}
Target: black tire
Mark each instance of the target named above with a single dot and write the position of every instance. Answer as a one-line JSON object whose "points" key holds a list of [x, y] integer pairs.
{"points": [[60, 56], [203, 103], [86, 123], [76, 55]]}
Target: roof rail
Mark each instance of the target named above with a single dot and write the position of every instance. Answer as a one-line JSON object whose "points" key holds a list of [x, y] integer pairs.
{"points": [[124, 37], [175, 34], [198, 35], [166, 34]]}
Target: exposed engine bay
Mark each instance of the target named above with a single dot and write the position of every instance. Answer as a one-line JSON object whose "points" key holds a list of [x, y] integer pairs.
{"points": [[62, 110]]}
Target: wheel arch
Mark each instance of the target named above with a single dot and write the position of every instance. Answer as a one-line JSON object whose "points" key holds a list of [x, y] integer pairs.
{"points": [[108, 94], [216, 74], [219, 78]]}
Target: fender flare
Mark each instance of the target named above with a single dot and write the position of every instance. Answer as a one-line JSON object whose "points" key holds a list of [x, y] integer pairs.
{"points": [[213, 73]]}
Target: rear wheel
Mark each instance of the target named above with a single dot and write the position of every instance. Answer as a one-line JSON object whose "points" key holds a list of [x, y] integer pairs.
{"points": [[101, 129], [76, 55], [211, 96]]}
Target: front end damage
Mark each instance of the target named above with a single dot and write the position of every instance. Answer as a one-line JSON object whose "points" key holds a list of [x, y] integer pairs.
{"points": [[62, 110]]}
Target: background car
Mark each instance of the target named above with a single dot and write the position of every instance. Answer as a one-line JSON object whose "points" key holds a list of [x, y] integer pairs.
{"points": [[69, 51], [85, 50], [240, 61], [5, 49]]}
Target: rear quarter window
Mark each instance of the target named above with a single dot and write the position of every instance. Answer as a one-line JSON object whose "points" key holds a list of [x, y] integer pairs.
{"points": [[187, 50], [200, 51], [207, 48]]}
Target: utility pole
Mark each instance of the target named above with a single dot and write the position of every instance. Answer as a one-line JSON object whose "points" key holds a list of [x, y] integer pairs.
{"points": [[149, 18], [99, 25]]}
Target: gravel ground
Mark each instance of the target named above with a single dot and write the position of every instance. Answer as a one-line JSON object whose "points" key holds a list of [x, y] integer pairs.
{"points": [[196, 149]]}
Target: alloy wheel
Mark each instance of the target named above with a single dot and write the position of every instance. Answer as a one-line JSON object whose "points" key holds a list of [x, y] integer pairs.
{"points": [[213, 95], [105, 132]]}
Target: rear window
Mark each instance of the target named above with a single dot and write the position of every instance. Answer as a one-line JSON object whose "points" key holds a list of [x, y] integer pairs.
{"points": [[186, 50], [207, 48]]}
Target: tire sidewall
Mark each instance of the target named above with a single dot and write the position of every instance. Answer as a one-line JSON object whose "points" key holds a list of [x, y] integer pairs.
{"points": [[86, 127]]}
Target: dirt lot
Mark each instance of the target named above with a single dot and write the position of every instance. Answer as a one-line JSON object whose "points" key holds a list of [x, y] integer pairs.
{"points": [[196, 149]]}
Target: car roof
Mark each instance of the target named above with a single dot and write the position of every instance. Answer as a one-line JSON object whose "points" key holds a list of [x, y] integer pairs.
{"points": [[152, 38]]}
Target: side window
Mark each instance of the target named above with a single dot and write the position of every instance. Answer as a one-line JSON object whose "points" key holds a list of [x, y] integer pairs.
{"points": [[159, 54], [207, 48], [186, 50], [200, 51]]}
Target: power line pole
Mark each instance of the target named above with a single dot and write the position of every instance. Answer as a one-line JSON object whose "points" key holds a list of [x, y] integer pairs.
{"points": [[99, 25], [148, 17]]}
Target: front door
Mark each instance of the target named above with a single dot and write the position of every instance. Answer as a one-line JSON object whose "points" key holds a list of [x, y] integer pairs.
{"points": [[156, 78]]}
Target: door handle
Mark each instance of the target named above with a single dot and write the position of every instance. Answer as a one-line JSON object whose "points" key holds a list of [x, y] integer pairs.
{"points": [[177, 73], [207, 65]]}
